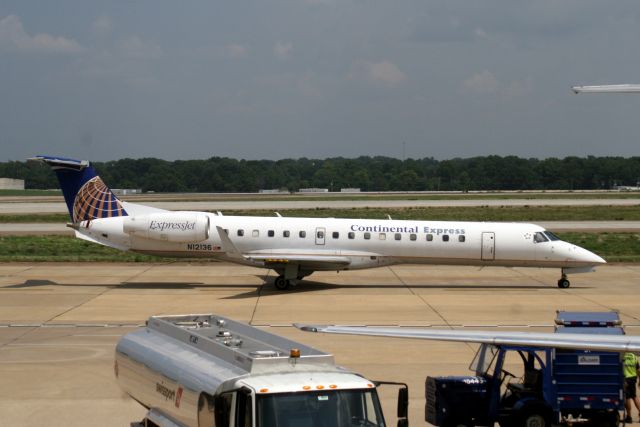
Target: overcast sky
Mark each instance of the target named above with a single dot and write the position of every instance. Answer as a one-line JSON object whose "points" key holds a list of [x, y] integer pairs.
{"points": [[271, 79]]}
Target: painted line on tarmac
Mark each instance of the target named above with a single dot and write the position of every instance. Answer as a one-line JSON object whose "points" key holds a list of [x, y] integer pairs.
{"points": [[71, 325]]}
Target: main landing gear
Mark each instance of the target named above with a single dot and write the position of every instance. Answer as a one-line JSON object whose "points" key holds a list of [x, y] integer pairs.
{"points": [[564, 283], [283, 284]]}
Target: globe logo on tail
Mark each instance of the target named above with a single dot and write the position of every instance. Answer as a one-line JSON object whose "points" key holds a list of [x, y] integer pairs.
{"points": [[95, 200]]}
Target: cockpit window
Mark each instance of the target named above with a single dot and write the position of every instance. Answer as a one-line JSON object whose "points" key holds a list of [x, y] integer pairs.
{"points": [[551, 236], [539, 237]]}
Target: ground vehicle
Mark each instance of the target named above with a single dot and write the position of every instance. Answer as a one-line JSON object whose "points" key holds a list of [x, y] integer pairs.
{"points": [[556, 385], [206, 370]]}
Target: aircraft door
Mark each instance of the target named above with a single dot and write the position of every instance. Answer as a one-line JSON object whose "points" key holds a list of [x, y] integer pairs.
{"points": [[488, 246], [320, 235]]}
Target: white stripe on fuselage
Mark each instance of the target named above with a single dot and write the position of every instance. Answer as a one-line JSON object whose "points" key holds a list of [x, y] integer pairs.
{"points": [[390, 241]]}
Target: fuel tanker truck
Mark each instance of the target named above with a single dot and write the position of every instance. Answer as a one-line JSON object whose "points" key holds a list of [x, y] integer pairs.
{"points": [[207, 370]]}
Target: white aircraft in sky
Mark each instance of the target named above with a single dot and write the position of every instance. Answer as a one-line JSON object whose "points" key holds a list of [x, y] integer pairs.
{"points": [[296, 247], [623, 88]]}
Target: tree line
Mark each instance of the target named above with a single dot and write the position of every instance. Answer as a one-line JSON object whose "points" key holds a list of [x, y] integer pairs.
{"points": [[221, 174]]}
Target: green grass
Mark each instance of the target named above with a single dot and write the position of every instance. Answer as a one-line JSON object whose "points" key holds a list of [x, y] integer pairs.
{"points": [[40, 218], [614, 247], [480, 213], [62, 248]]}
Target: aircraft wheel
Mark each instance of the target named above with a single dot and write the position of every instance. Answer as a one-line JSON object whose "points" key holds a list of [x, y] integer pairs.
{"points": [[281, 283], [564, 283]]}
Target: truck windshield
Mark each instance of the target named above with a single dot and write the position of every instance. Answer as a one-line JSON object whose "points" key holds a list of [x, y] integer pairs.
{"points": [[334, 408], [483, 359]]}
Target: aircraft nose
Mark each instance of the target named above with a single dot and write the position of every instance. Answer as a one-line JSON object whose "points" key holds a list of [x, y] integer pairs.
{"points": [[585, 256]]}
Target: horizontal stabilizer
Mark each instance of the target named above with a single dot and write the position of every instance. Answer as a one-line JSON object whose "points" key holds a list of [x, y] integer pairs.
{"points": [[62, 162]]}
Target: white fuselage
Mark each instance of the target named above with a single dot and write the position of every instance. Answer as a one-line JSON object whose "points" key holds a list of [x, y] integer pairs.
{"points": [[343, 244]]}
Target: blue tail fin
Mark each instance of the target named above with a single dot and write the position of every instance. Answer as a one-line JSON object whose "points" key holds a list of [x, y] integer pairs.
{"points": [[86, 195]]}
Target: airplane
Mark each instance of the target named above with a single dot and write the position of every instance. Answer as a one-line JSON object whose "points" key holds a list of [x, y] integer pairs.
{"points": [[620, 88], [296, 247]]}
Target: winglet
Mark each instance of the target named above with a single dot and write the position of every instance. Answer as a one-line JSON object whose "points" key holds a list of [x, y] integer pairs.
{"points": [[227, 245]]}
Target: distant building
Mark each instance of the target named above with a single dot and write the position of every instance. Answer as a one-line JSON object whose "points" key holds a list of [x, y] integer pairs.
{"points": [[349, 190], [273, 191], [626, 188], [313, 190], [126, 191], [11, 184]]}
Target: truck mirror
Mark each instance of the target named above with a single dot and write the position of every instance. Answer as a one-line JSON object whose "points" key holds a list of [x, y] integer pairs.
{"points": [[403, 402]]}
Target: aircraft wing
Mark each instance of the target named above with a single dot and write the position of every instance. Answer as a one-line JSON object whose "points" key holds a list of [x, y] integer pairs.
{"points": [[618, 343], [311, 261], [626, 88]]}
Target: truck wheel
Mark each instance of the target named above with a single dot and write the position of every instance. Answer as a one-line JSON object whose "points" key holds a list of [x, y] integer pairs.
{"points": [[534, 417]]}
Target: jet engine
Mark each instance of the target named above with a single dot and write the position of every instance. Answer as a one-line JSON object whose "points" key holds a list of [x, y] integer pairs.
{"points": [[181, 227]]}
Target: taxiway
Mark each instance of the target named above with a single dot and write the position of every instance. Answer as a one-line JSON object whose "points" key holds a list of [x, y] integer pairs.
{"points": [[59, 323]]}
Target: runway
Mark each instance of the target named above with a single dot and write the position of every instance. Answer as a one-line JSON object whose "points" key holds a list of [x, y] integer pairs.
{"points": [[59, 322]]}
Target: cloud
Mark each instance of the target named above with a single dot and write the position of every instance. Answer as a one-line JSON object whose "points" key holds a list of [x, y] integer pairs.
{"points": [[282, 50], [135, 48], [235, 50], [385, 72], [13, 38], [102, 26], [484, 82]]}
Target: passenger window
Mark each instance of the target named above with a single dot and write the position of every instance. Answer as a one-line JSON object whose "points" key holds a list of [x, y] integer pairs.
{"points": [[352, 235], [445, 238], [461, 239], [367, 236], [398, 236], [271, 233], [429, 237], [320, 234], [335, 234], [302, 234], [255, 233], [240, 233], [382, 236], [285, 233], [412, 237]]}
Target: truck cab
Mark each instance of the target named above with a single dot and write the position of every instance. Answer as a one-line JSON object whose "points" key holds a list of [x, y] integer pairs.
{"points": [[296, 400]]}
